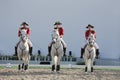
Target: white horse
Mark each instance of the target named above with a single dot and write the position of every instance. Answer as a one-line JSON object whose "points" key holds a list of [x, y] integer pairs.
{"points": [[23, 51], [56, 50], [89, 54]]}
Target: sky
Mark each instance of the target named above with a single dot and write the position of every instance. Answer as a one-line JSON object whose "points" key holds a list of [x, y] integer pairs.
{"points": [[74, 15]]}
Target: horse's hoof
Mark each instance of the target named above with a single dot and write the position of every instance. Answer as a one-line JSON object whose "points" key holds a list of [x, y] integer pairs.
{"points": [[22, 65], [26, 67], [85, 69], [58, 68], [91, 69], [53, 67], [19, 67]]}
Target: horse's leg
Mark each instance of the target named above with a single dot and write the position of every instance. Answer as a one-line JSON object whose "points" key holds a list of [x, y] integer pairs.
{"points": [[85, 60], [91, 69], [88, 61], [56, 61], [19, 66], [53, 62], [20, 57], [59, 58], [89, 64], [26, 63], [28, 60], [23, 65], [26, 67], [92, 61], [58, 64], [86, 68]]}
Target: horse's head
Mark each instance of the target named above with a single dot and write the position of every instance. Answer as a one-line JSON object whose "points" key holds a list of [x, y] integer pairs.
{"points": [[24, 35], [55, 35], [91, 40]]}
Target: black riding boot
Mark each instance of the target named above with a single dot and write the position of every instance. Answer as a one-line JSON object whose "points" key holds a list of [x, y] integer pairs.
{"points": [[82, 51], [15, 51], [64, 50], [49, 50], [30, 50], [97, 53]]}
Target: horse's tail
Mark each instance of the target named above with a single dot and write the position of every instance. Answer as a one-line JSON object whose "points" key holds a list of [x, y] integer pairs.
{"points": [[56, 60], [89, 64]]}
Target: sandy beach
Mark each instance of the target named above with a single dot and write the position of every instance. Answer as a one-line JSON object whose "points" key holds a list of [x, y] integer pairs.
{"points": [[64, 74]]}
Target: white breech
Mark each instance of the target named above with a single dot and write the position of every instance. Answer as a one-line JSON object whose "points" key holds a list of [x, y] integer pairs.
{"points": [[63, 42]]}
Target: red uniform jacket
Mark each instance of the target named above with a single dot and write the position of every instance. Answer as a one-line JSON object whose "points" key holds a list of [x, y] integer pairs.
{"points": [[61, 31], [28, 31], [88, 32]]}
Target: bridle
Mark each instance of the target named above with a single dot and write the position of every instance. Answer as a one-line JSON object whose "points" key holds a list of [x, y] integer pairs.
{"points": [[91, 40]]}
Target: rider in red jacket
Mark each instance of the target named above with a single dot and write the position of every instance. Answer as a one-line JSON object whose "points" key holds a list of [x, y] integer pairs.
{"points": [[61, 34], [60, 30], [87, 33], [25, 26]]}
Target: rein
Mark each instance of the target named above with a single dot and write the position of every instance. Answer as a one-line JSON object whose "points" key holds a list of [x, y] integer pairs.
{"points": [[89, 50]]}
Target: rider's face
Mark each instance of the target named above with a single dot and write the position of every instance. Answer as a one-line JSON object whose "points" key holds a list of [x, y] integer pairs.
{"points": [[57, 26], [89, 28], [24, 25]]}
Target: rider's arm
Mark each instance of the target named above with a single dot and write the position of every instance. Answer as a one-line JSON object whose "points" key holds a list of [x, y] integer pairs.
{"points": [[94, 35], [61, 32], [86, 34], [28, 32], [19, 33]]}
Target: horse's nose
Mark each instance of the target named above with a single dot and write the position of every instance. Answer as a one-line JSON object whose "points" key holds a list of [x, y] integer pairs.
{"points": [[54, 40]]}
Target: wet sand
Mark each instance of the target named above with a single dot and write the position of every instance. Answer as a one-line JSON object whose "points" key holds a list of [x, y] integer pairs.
{"points": [[64, 74]]}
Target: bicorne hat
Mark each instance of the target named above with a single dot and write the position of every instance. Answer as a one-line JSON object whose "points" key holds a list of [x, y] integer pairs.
{"points": [[89, 25], [58, 23], [24, 23]]}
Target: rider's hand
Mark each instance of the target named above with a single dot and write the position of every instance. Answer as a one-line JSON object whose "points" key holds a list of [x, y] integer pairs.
{"points": [[28, 36], [61, 36]]}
